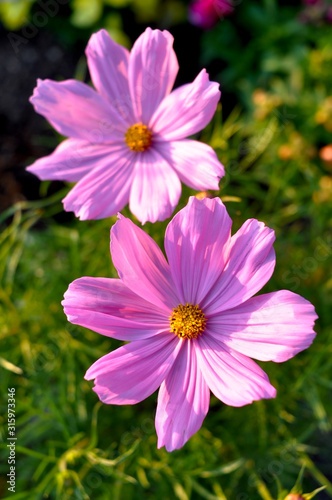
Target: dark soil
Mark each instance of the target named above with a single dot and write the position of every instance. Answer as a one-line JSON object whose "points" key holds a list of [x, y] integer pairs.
{"points": [[25, 135]]}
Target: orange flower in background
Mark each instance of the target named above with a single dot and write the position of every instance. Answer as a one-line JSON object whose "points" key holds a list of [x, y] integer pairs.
{"points": [[325, 155]]}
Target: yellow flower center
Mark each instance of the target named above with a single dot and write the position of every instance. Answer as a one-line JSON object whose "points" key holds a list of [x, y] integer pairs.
{"points": [[187, 321], [138, 137]]}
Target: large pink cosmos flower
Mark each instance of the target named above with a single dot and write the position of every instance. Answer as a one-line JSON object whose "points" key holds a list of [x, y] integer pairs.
{"points": [[128, 138], [192, 323]]}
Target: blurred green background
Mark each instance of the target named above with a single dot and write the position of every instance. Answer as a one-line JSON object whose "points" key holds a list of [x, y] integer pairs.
{"points": [[273, 133]]}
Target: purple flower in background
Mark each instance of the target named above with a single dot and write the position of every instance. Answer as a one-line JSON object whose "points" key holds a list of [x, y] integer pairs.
{"points": [[206, 13], [316, 12], [191, 322], [127, 139], [312, 2], [328, 15]]}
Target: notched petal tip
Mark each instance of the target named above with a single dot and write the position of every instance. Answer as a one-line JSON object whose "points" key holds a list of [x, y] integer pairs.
{"points": [[203, 78], [169, 447], [89, 376], [95, 36], [81, 210], [209, 205], [36, 90], [31, 169], [152, 32], [120, 216], [116, 226]]}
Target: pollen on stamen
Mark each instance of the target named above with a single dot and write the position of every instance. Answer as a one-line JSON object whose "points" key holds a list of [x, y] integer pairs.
{"points": [[187, 321], [138, 137]]}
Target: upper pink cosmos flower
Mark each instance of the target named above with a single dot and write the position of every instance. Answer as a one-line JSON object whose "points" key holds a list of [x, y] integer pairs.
{"points": [[206, 13], [128, 137], [192, 323]]}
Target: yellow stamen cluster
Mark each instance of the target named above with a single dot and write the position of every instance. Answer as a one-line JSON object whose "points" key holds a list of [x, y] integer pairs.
{"points": [[138, 137], [187, 321]]}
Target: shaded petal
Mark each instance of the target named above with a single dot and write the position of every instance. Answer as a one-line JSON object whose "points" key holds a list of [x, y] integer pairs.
{"points": [[153, 67], [76, 110], [187, 110], [250, 265], [271, 327], [141, 265], [108, 307], [183, 401], [108, 66], [70, 161], [233, 378], [105, 190], [133, 372], [196, 163], [194, 243], [156, 188]]}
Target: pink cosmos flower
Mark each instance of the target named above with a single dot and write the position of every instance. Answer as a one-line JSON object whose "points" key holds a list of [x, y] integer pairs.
{"points": [[128, 137], [191, 323], [206, 13]]}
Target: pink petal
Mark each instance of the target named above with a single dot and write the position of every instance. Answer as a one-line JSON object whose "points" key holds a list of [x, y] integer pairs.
{"points": [[274, 326], [153, 67], [194, 242], [196, 163], [105, 190], [183, 401], [108, 66], [133, 372], [70, 161], [233, 378], [250, 265], [187, 110], [76, 110], [156, 188], [141, 265], [108, 307]]}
